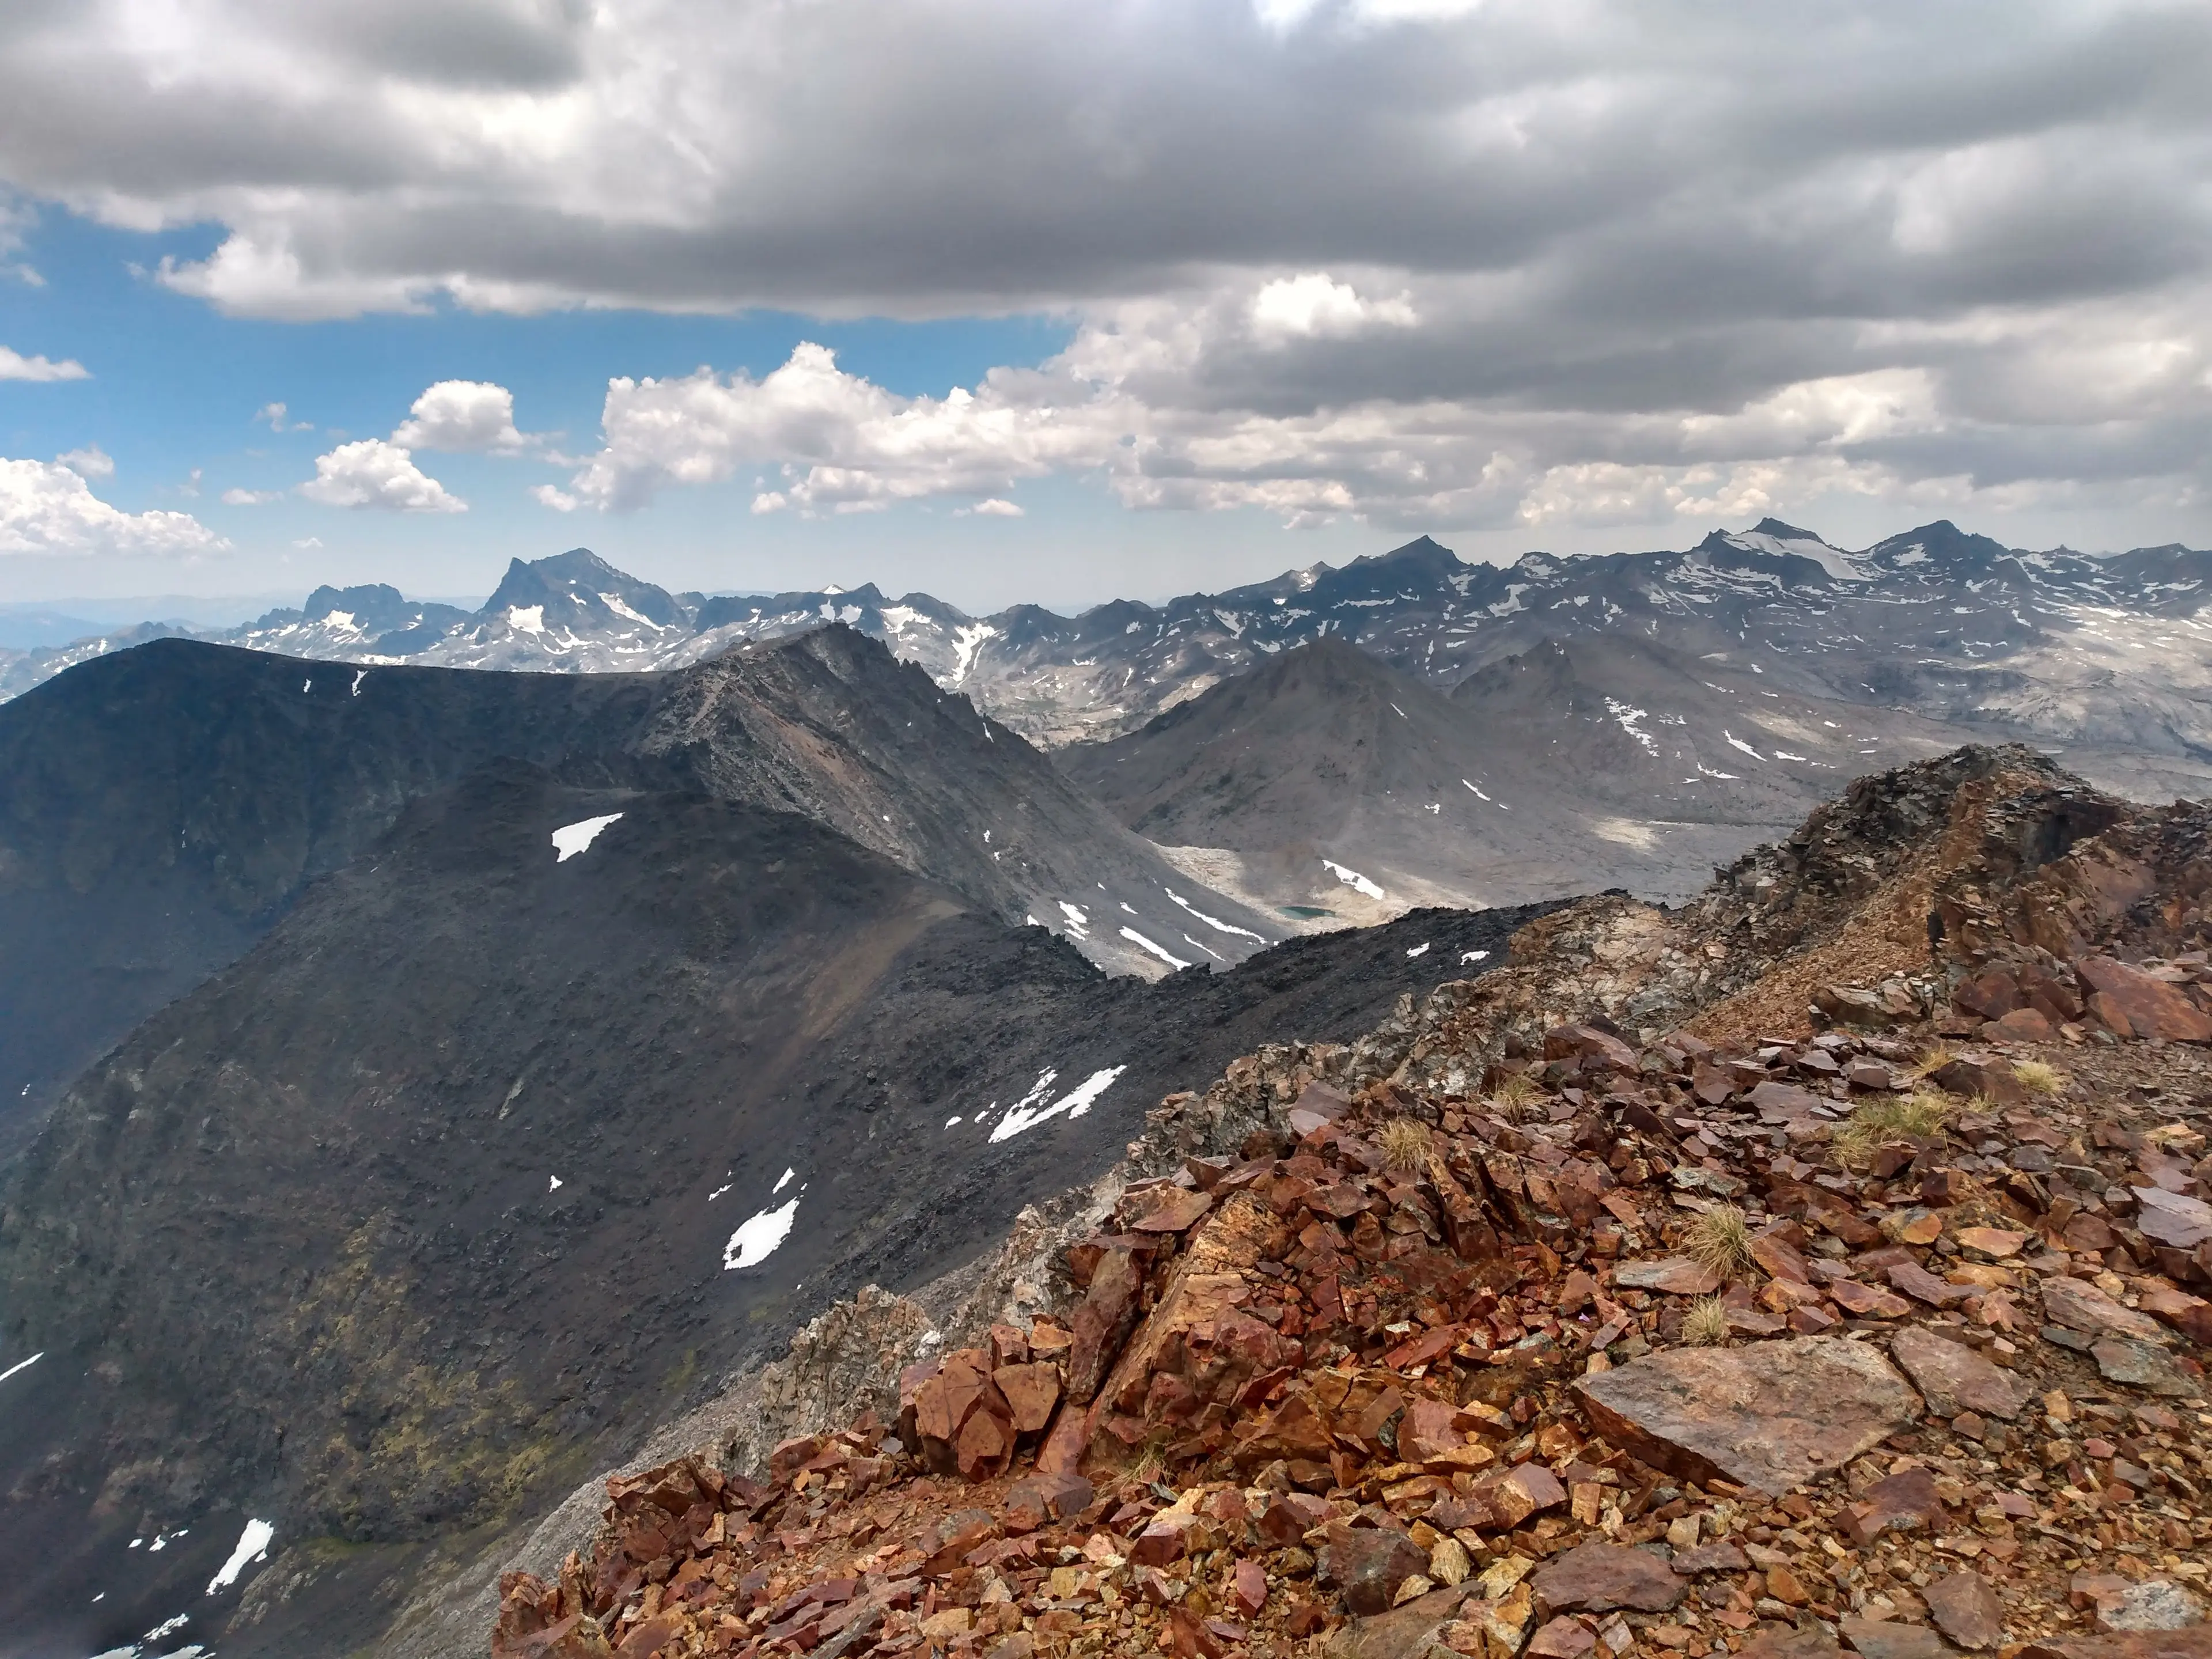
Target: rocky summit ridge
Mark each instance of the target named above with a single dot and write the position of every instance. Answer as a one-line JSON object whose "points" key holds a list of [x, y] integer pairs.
{"points": [[1822, 1266]]}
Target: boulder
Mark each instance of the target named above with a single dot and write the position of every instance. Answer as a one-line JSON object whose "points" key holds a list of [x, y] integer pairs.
{"points": [[1772, 1415], [2022, 1025], [2133, 1004], [1916, 1282], [1596, 1050], [1562, 1638], [1177, 1212], [1991, 994], [1981, 1076], [1366, 1565], [1103, 1320], [1040, 1499]]}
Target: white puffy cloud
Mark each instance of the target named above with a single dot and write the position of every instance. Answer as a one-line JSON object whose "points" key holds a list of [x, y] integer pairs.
{"points": [[846, 445], [90, 462], [275, 415], [473, 415], [13, 366], [1136, 401], [1314, 307], [47, 508], [237, 497], [372, 473]]}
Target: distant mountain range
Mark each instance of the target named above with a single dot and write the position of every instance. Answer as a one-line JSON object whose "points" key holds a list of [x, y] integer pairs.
{"points": [[2058, 646]]}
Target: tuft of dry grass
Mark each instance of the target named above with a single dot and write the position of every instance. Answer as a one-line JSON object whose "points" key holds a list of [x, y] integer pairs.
{"points": [[1148, 1464], [1919, 1116], [1932, 1061], [1720, 1239], [1404, 1143], [1514, 1096], [2039, 1077], [1706, 1324]]}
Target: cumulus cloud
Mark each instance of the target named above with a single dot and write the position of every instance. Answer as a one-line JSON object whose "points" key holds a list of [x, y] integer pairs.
{"points": [[276, 415], [48, 507], [1132, 401], [90, 462], [372, 473], [13, 366], [1312, 306], [236, 497], [846, 445], [473, 415], [1484, 258]]}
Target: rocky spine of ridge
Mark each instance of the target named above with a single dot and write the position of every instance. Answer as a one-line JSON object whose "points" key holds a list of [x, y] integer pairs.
{"points": [[1567, 1315]]}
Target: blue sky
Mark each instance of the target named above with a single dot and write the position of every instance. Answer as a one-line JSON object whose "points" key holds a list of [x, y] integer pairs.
{"points": [[1117, 298], [176, 387]]}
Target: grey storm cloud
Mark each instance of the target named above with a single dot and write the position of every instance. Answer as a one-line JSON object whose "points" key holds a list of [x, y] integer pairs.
{"points": [[1428, 261]]}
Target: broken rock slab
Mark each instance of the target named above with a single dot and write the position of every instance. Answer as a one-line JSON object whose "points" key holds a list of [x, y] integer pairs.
{"points": [[1677, 1275], [1772, 1415], [2080, 1305], [2194, 1643], [1403, 1633], [1964, 1608], [1891, 1638], [2173, 1218], [2140, 1365], [1598, 1577], [2155, 1604], [1953, 1377], [1811, 1640]]}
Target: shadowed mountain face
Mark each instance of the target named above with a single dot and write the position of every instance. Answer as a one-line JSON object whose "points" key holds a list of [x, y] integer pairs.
{"points": [[159, 808], [1327, 781], [502, 1142]]}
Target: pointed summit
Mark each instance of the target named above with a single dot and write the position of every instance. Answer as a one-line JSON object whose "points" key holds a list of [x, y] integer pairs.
{"points": [[576, 587], [1425, 552]]}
